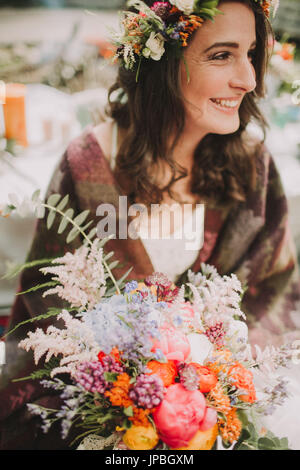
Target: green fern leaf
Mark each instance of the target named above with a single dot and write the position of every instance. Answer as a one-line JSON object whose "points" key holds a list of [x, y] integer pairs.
{"points": [[108, 255], [52, 312], [113, 265], [20, 267], [41, 373], [39, 286], [123, 278]]}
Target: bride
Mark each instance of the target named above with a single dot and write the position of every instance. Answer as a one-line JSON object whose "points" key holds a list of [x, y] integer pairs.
{"points": [[176, 133]]}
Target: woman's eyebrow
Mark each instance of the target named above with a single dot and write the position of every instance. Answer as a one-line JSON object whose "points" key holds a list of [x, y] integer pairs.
{"points": [[235, 45]]}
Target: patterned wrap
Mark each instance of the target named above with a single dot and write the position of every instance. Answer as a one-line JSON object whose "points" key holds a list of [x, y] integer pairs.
{"points": [[251, 239]]}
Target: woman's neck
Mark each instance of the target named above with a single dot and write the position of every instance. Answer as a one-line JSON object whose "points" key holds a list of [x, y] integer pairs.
{"points": [[183, 153]]}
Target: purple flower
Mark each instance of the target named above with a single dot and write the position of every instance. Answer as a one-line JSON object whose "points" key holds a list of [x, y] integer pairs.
{"points": [[148, 391], [91, 375], [189, 376], [131, 285]]}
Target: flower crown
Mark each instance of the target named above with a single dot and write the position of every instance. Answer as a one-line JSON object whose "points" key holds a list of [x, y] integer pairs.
{"points": [[145, 33]]}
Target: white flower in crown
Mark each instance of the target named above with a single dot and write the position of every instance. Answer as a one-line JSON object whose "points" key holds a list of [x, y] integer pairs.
{"points": [[275, 6], [154, 47], [187, 6]]}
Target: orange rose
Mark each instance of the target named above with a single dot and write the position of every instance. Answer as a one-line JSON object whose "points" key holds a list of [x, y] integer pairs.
{"points": [[243, 378], [166, 371], [140, 438], [208, 379]]}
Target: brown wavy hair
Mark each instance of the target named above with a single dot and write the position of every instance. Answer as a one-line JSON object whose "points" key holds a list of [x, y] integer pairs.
{"points": [[224, 168]]}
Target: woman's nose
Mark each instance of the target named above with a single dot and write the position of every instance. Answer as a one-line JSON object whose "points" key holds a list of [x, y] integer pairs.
{"points": [[244, 77]]}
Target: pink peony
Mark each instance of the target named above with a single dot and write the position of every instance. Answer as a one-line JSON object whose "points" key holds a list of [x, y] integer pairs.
{"points": [[209, 420], [181, 414], [173, 343]]}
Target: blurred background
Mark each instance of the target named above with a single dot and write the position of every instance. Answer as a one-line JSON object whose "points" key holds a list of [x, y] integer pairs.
{"points": [[56, 54]]}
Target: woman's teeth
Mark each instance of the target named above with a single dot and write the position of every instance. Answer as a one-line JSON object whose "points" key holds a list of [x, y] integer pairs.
{"points": [[225, 103]]}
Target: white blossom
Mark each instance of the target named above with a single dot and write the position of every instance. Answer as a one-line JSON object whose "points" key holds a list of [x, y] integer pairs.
{"points": [[75, 343], [187, 6], [81, 277], [201, 347], [155, 44]]}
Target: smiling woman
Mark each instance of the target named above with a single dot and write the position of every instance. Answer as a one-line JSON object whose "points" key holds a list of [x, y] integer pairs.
{"points": [[220, 63], [187, 133], [186, 90]]}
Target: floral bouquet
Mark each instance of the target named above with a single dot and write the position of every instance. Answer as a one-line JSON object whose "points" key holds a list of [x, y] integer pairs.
{"points": [[145, 364]]}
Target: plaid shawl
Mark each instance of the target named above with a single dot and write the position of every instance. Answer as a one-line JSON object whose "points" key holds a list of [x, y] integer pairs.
{"points": [[251, 239]]}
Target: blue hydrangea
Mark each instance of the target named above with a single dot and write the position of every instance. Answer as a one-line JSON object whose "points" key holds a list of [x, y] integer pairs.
{"points": [[127, 325]]}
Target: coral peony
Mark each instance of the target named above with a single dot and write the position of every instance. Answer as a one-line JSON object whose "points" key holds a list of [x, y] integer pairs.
{"points": [[166, 371], [208, 379], [172, 343], [179, 415], [202, 440], [243, 379], [140, 438]]}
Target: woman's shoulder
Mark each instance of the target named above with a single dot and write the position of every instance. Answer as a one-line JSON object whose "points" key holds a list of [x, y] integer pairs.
{"points": [[254, 143], [87, 155]]}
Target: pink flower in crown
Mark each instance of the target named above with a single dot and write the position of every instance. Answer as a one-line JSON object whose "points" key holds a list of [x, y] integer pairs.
{"points": [[172, 343], [161, 9]]}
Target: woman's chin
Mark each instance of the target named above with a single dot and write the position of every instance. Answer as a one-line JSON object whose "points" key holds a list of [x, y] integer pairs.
{"points": [[228, 128]]}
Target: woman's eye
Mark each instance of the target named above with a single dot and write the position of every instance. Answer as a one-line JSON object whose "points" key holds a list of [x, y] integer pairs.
{"points": [[220, 56], [226, 55]]}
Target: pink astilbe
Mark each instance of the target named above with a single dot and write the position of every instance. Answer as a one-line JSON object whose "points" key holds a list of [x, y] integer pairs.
{"points": [[81, 277], [75, 343]]}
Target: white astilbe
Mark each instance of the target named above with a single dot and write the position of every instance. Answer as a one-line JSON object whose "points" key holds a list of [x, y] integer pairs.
{"points": [[271, 358], [75, 343], [217, 296], [81, 277]]}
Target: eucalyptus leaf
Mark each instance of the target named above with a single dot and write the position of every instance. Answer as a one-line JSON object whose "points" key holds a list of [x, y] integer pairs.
{"points": [[63, 203], [72, 235], [50, 219], [36, 195], [64, 221], [53, 199], [80, 218]]}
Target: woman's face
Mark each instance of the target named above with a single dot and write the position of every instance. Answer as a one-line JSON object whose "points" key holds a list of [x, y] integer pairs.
{"points": [[219, 61]]}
